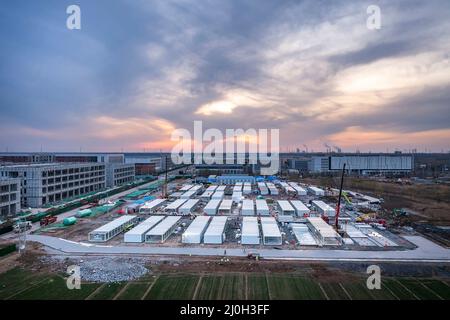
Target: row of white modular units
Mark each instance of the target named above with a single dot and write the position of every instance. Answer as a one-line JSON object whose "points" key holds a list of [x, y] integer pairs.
{"points": [[248, 207], [292, 208], [263, 188], [271, 234], [137, 234], [287, 188], [112, 229], [247, 188], [189, 206], [324, 208], [194, 233], [215, 234], [173, 207], [225, 206], [272, 188], [152, 206], [162, 230], [316, 191], [298, 189], [212, 206]]}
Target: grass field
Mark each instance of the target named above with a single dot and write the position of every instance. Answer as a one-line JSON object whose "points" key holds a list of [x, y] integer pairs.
{"points": [[20, 284]]}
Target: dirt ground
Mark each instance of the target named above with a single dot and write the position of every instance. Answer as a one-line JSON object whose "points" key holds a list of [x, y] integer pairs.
{"points": [[429, 203]]}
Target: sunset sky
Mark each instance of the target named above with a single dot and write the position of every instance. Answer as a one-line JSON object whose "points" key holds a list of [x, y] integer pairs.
{"points": [[137, 70]]}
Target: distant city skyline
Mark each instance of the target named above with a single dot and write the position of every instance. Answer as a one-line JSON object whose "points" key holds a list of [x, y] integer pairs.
{"points": [[137, 70]]}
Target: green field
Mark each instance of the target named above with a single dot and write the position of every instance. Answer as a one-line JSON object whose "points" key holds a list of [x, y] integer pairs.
{"points": [[21, 284]]}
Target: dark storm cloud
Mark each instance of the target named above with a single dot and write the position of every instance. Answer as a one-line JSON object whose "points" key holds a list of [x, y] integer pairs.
{"points": [[166, 59]]}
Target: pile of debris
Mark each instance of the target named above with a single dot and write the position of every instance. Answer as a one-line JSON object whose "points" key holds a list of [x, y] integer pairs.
{"points": [[111, 269]]}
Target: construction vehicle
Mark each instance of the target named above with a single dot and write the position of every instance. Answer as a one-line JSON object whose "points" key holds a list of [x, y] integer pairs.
{"points": [[47, 220], [22, 226], [253, 256]]}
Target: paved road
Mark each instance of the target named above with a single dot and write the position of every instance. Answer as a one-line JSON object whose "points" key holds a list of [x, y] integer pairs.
{"points": [[427, 251]]}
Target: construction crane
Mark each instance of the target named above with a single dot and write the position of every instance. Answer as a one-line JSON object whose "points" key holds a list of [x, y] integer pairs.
{"points": [[338, 209]]}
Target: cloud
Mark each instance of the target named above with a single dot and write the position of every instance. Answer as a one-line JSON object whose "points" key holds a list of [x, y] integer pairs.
{"points": [[137, 70]]}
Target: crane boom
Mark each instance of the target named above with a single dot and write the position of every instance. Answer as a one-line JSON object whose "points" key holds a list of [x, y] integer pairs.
{"points": [[338, 209]]}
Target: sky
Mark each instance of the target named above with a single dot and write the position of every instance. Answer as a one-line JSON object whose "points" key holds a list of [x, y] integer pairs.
{"points": [[139, 69]]}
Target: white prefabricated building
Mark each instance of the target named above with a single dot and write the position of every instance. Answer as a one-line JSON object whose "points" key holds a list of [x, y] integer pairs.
{"points": [[270, 232], [300, 208], [248, 208], [163, 230], [218, 195], [112, 229], [211, 207], [194, 233], [137, 234], [188, 194], [237, 196], [286, 208], [188, 206], [250, 231], [173, 206], [152, 206], [215, 234], [300, 191], [324, 208], [225, 206], [316, 191], [261, 207]]}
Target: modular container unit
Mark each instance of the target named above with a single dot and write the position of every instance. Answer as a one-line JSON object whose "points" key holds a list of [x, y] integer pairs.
{"points": [[324, 208], [188, 194], [112, 229], [316, 191], [186, 187], [196, 188], [194, 233], [221, 188], [211, 207], [303, 235], [248, 208], [250, 231], [301, 209], [247, 188], [287, 188], [206, 195], [137, 234], [215, 234], [188, 206], [218, 195], [286, 208], [270, 232], [174, 206], [262, 208], [237, 197], [225, 206], [152, 206], [300, 191], [272, 189], [324, 232], [237, 189], [163, 230], [263, 188]]}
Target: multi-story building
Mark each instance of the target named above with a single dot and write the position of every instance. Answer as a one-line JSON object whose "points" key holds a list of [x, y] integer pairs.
{"points": [[9, 197], [45, 183], [119, 173]]}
